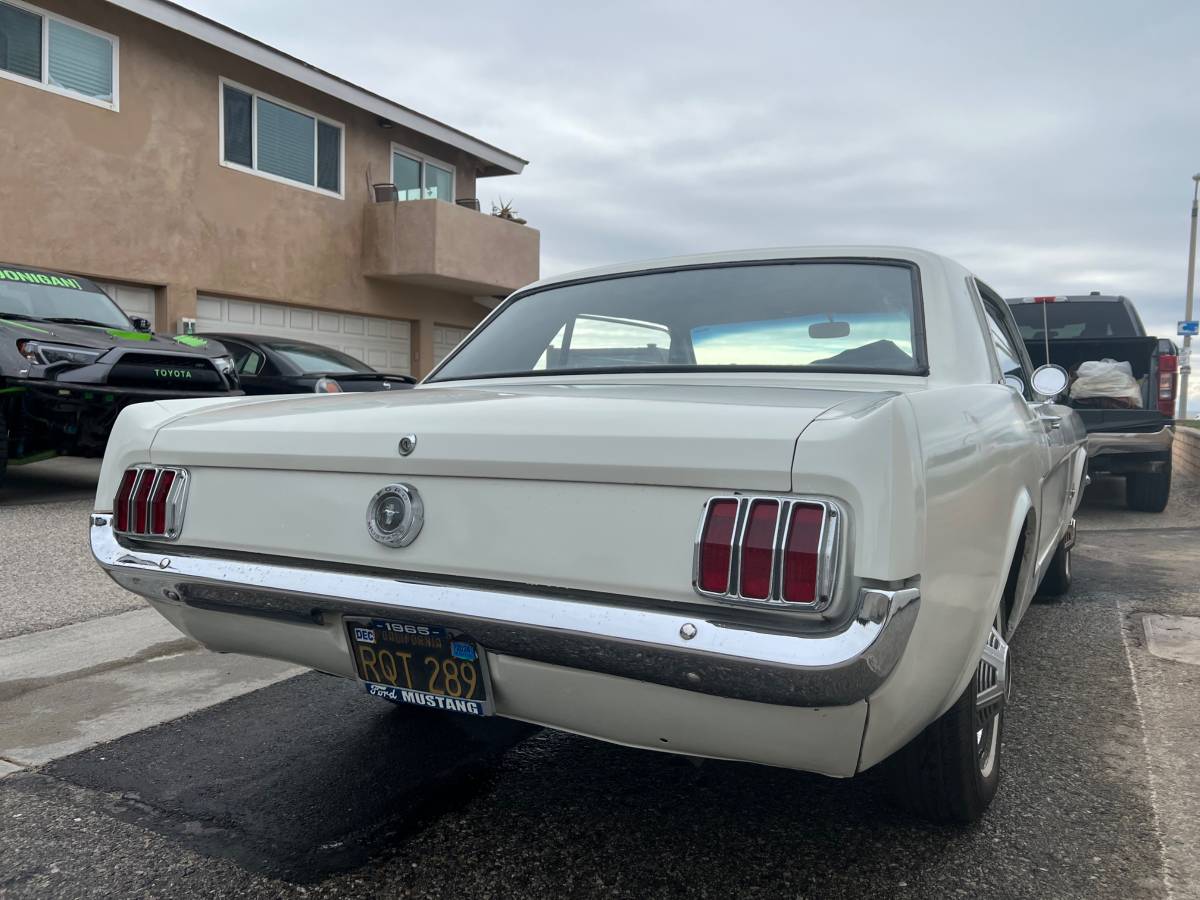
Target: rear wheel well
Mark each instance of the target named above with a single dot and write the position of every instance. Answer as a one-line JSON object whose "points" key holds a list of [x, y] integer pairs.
{"points": [[1022, 558]]}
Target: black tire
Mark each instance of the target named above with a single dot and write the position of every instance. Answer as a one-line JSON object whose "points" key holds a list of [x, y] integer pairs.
{"points": [[1148, 491], [941, 775], [1057, 580]]}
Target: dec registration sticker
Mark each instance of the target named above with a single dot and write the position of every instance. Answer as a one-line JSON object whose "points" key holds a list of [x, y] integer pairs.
{"points": [[421, 665]]}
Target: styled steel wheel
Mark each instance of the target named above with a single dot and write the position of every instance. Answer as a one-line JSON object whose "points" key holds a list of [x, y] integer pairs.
{"points": [[992, 690]]}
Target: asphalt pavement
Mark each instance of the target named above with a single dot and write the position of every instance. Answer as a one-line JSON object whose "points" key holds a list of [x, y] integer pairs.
{"points": [[304, 787]]}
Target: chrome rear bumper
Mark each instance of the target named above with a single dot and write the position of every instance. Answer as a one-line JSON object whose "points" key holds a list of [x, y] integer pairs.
{"points": [[1099, 442], [708, 650]]}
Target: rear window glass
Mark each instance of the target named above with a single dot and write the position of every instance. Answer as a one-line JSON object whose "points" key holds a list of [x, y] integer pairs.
{"points": [[847, 316], [313, 360], [1073, 319]]}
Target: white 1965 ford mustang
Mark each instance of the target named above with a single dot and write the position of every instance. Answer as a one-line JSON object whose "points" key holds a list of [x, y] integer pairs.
{"points": [[783, 506]]}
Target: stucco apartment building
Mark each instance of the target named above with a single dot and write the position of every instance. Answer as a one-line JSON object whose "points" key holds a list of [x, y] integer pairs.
{"points": [[205, 176]]}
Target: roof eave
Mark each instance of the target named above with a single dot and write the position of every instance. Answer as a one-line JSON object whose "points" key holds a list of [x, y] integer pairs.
{"points": [[177, 18]]}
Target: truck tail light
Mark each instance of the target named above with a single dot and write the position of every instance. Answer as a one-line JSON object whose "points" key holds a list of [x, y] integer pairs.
{"points": [[1167, 367], [780, 551], [150, 502]]}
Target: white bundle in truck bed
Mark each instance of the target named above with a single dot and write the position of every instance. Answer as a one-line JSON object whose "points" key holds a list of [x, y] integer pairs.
{"points": [[1106, 378]]}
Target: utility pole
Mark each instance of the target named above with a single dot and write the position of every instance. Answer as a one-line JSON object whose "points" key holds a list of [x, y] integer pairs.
{"points": [[1186, 368]]}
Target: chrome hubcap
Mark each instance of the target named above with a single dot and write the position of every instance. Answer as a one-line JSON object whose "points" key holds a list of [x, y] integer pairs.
{"points": [[992, 686]]}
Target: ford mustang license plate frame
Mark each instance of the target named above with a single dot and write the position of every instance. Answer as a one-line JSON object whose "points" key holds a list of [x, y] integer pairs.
{"points": [[421, 665]]}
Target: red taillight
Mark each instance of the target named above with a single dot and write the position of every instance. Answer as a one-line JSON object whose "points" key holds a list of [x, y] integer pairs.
{"points": [[1044, 299], [775, 550], [758, 550], [149, 502], [121, 503], [141, 501], [158, 502], [801, 553], [716, 546], [1167, 367]]}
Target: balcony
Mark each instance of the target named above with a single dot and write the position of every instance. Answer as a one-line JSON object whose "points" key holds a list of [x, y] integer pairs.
{"points": [[453, 248]]}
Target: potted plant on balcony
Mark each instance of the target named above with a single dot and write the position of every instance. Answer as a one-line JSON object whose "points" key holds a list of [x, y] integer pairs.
{"points": [[505, 211]]}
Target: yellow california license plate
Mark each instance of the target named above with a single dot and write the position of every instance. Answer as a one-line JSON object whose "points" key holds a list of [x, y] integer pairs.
{"points": [[422, 665]]}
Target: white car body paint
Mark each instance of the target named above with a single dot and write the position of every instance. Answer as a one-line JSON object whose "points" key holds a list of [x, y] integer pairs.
{"points": [[593, 486]]}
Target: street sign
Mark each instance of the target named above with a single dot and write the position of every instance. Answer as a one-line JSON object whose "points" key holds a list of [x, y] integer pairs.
{"points": [[1186, 328]]}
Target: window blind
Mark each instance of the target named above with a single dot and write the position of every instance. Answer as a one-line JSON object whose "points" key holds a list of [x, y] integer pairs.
{"points": [[80, 61], [237, 127], [329, 157], [286, 144], [20, 42]]}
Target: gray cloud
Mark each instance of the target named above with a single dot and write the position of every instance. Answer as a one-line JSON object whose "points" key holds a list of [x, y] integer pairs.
{"points": [[1048, 146]]}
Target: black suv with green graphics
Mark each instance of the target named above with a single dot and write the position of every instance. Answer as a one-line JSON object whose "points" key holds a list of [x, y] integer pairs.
{"points": [[71, 360]]}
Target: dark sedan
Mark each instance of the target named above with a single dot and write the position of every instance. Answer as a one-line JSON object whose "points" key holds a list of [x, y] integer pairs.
{"points": [[269, 365]]}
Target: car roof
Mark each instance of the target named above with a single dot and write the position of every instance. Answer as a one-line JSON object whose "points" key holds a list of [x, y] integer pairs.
{"points": [[263, 338], [872, 251]]}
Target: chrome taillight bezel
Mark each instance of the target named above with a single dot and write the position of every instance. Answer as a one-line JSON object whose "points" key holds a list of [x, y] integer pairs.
{"points": [[176, 503], [829, 552]]}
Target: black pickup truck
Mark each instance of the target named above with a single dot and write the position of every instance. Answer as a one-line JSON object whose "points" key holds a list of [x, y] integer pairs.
{"points": [[71, 360], [1134, 441]]}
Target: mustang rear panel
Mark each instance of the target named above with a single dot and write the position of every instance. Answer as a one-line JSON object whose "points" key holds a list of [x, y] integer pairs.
{"points": [[587, 536]]}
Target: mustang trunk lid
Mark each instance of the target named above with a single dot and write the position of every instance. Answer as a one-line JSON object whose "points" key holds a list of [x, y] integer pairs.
{"points": [[669, 434]]}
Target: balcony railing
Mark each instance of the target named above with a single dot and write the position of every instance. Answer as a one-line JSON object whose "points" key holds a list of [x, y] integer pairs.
{"points": [[447, 246]]}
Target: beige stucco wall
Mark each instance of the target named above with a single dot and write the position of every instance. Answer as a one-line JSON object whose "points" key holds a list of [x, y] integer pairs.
{"points": [[442, 245], [139, 195]]}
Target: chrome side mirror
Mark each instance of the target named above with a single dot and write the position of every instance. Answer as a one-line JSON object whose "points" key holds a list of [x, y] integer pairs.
{"points": [[1015, 383], [1050, 381]]}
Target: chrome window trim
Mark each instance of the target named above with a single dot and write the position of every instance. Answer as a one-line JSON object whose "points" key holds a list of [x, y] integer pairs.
{"points": [[176, 501], [829, 551]]}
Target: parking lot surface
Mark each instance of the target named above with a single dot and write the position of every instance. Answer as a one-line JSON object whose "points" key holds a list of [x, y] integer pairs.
{"points": [[300, 785]]}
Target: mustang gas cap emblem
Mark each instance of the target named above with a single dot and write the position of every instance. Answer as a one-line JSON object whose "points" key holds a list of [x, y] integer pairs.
{"points": [[395, 515]]}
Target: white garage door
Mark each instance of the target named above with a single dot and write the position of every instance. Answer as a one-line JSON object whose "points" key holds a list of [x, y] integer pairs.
{"points": [[446, 339], [134, 299], [385, 344]]}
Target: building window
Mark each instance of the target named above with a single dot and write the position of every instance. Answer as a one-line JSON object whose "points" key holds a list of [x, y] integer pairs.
{"points": [[419, 177], [57, 54], [276, 140]]}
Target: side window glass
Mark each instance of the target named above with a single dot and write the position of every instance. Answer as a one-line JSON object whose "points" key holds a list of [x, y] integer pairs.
{"points": [[251, 364], [243, 357], [1002, 343]]}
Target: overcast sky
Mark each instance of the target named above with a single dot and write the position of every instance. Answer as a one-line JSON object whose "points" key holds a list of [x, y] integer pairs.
{"points": [[1049, 146]]}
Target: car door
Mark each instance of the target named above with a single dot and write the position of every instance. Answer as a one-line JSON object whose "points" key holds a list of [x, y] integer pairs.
{"points": [[1056, 443]]}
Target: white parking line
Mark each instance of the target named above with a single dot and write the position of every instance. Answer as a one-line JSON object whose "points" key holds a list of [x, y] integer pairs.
{"points": [[69, 688], [1152, 775]]}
